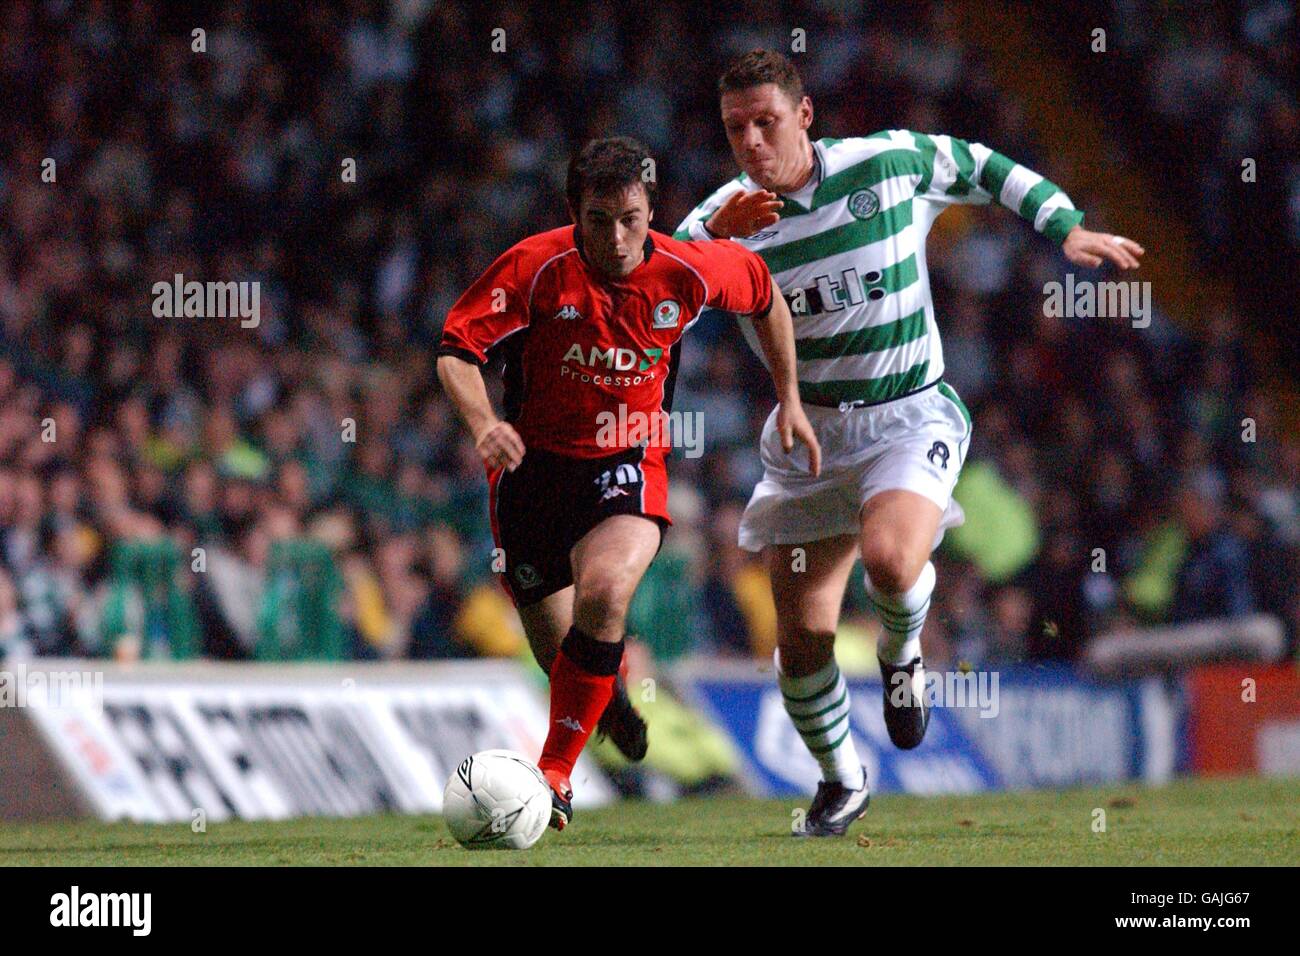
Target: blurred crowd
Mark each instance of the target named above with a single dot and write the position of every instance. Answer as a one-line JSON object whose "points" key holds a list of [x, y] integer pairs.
{"points": [[1208, 96], [1225, 87], [187, 486]]}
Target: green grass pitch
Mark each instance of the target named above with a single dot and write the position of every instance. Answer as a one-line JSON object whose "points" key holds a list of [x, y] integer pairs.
{"points": [[1194, 822]]}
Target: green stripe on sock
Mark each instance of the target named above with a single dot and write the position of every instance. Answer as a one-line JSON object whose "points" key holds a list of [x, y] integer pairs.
{"points": [[892, 615], [899, 618], [811, 697], [817, 732], [825, 710], [829, 747]]}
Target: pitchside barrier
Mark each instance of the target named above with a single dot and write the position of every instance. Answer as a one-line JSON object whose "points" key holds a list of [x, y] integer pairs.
{"points": [[1024, 726], [1013, 727], [1158, 650], [176, 742], [1245, 719], [165, 742]]}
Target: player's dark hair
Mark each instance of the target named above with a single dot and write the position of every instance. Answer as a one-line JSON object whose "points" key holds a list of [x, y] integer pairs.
{"points": [[758, 67], [609, 165]]}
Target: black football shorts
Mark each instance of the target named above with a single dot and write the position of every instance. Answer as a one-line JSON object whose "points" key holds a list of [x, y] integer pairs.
{"points": [[544, 507]]}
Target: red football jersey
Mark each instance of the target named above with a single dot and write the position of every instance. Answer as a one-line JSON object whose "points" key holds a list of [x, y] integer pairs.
{"points": [[579, 344]]}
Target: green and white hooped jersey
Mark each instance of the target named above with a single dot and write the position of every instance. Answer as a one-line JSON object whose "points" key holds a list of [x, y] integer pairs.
{"points": [[849, 253]]}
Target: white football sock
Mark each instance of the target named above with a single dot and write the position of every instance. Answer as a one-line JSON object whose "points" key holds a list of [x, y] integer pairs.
{"points": [[819, 706], [903, 616]]}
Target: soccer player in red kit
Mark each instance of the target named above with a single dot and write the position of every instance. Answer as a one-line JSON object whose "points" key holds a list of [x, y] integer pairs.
{"points": [[589, 317]]}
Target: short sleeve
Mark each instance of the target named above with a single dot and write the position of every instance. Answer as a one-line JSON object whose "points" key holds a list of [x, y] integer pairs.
{"points": [[491, 309], [738, 280]]}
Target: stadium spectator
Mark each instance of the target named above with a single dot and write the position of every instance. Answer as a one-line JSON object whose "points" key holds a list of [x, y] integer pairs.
{"points": [[1214, 579]]}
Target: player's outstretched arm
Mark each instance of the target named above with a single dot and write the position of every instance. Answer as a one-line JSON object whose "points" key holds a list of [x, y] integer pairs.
{"points": [[955, 171], [775, 333], [497, 442]]}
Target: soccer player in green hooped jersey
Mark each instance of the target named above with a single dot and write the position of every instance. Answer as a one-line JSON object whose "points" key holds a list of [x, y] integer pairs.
{"points": [[841, 224]]}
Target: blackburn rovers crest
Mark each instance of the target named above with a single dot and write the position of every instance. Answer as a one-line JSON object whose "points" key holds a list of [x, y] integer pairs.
{"points": [[666, 314]]}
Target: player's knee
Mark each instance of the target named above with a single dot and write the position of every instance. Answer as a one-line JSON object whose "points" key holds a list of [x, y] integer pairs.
{"points": [[890, 568], [602, 599], [804, 650]]}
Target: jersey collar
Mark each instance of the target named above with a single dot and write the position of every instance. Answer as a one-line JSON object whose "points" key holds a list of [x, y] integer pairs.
{"points": [[814, 181]]}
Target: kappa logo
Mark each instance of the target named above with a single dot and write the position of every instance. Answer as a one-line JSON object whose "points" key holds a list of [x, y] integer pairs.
{"points": [[569, 313], [611, 482], [572, 723], [666, 314]]}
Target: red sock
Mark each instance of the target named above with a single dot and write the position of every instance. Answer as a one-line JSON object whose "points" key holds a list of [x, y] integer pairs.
{"points": [[582, 683]]}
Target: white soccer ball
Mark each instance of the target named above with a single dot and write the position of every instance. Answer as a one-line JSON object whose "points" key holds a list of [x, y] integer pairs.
{"points": [[497, 800]]}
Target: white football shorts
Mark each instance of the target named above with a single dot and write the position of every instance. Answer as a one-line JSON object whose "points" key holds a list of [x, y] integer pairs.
{"points": [[916, 443]]}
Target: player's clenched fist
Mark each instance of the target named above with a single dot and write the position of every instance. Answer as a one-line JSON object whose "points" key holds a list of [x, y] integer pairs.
{"points": [[500, 446], [743, 214]]}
